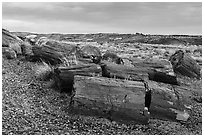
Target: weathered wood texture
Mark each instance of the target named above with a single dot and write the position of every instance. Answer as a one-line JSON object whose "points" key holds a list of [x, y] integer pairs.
{"points": [[160, 65], [118, 96], [48, 54], [54, 52], [184, 64], [137, 73], [112, 70], [64, 76], [128, 96]]}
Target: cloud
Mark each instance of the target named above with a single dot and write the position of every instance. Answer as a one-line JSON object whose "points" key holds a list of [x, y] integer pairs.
{"points": [[106, 16]]}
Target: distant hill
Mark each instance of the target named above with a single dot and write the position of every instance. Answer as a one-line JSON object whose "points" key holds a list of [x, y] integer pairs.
{"points": [[123, 38]]}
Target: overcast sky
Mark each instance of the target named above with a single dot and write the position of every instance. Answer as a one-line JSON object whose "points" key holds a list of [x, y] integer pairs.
{"points": [[87, 17]]}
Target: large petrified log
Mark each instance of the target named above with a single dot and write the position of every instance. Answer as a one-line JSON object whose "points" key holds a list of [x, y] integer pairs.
{"points": [[48, 54], [54, 52], [112, 70], [64, 76], [184, 64], [136, 73], [127, 98], [112, 96], [161, 65]]}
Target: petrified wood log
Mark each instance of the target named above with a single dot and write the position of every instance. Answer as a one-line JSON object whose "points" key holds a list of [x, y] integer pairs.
{"points": [[111, 96], [161, 65], [92, 52], [112, 70], [162, 77], [136, 73], [64, 76], [184, 64], [48, 54], [127, 98], [54, 52], [167, 99]]}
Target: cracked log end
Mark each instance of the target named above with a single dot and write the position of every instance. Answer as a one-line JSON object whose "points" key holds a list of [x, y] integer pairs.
{"points": [[185, 65]]}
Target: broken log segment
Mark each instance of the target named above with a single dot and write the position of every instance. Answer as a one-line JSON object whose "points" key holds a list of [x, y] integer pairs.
{"points": [[126, 97], [112, 70], [136, 73], [185, 65], [64, 76], [161, 65], [168, 96], [114, 95], [162, 77], [48, 55], [55, 52]]}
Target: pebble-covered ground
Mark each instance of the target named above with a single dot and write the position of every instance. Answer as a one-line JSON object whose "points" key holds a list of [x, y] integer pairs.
{"points": [[31, 107]]}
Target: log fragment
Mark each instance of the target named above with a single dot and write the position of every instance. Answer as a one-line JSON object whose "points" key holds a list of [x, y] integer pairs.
{"points": [[162, 77], [48, 54], [161, 65], [112, 70], [54, 52], [136, 73], [64, 76], [185, 65]]}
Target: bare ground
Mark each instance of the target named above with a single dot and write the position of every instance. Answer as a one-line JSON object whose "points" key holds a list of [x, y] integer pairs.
{"points": [[30, 107]]}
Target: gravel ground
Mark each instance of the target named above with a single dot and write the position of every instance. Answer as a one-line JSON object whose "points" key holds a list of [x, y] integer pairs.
{"points": [[30, 107]]}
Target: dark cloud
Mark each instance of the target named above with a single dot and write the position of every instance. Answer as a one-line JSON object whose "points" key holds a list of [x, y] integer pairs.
{"points": [[166, 18]]}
